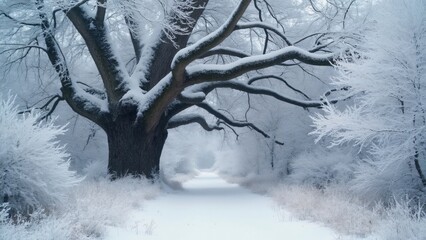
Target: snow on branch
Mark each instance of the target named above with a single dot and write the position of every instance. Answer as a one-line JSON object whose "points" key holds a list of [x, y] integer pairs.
{"points": [[180, 120], [281, 79], [214, 72], [80, 101], [225, 51], [192, 52], [114, 75], [234, 123]]}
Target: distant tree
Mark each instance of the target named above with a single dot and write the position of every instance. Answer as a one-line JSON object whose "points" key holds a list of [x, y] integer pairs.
{"points": [[386, 78], [143, 93]]}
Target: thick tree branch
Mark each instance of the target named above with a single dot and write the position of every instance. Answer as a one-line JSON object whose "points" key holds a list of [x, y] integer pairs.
{"points": [[100, 12], [234, 123], [160, 55], [80, 101], [191, 53], [224, 51], [211, 72], [136, 42], [114, 77], [171, 85], [186, 119]]}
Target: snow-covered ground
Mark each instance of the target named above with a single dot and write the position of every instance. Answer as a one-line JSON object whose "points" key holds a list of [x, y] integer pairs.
{"points": [[210, 208]]}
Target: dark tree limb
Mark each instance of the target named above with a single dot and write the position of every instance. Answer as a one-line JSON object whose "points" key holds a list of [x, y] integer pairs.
{"points": [[180, 120], [187, 55], [170, 86], [21, 47], [263, 91], [18, 21], [254, 79], [265, 45], [81, 102], [205, 73], [45, 107], [234, 123], [346, 13], [96, 39], [224, 51], [100, 12], [265, 27], [165, 49], [136, 42]]}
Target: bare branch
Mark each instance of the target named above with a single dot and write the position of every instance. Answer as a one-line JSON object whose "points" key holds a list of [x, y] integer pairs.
{"points": [[234, 123], [186, 119], [254, 79], [263, 91], [21, 47], [264, 26], [346, 13], [55, 99], [18, 21], [265, 45]]}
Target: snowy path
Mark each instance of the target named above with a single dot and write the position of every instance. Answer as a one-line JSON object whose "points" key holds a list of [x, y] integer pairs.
{"points": [[210, 208]]}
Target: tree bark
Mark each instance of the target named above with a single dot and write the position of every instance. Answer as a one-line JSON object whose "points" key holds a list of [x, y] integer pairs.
{"points": [[132, 151]]}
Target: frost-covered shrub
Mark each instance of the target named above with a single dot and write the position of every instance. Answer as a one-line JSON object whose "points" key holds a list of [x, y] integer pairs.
{"points": [[402, 222], [33, 165], [381, 181], [331, 207], [320, 168], [386, 80], [90, 208]]}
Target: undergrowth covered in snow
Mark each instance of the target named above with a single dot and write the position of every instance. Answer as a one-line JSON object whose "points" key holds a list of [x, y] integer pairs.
{"points": [[89, 209], [34, 166], [41, 199], [336, 207]]}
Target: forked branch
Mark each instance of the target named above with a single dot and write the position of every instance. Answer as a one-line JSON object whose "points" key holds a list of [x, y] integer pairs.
{"points": [[234, 123], [180, 120]]}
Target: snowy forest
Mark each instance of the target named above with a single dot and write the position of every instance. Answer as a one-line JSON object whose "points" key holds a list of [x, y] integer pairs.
{"points": [[212, 119]]}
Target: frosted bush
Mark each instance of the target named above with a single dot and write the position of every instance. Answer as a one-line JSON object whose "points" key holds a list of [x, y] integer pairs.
{"points": [[402, 222], [381, 181], [331, 207], [33, 165], [321, 168], [386, 116], [88, 211]]}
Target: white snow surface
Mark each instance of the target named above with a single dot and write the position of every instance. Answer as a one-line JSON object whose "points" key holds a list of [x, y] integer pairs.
{"points": [[210, 208]]}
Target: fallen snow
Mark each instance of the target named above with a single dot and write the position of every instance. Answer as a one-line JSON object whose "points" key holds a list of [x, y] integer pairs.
{"points": [[210, 208]]}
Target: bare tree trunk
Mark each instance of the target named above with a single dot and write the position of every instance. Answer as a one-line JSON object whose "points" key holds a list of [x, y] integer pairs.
{"points": [[133, 151]]}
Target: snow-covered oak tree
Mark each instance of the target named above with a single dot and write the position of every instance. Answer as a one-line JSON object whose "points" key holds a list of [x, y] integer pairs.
{"points": [[387, 82], [136, 96]]}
